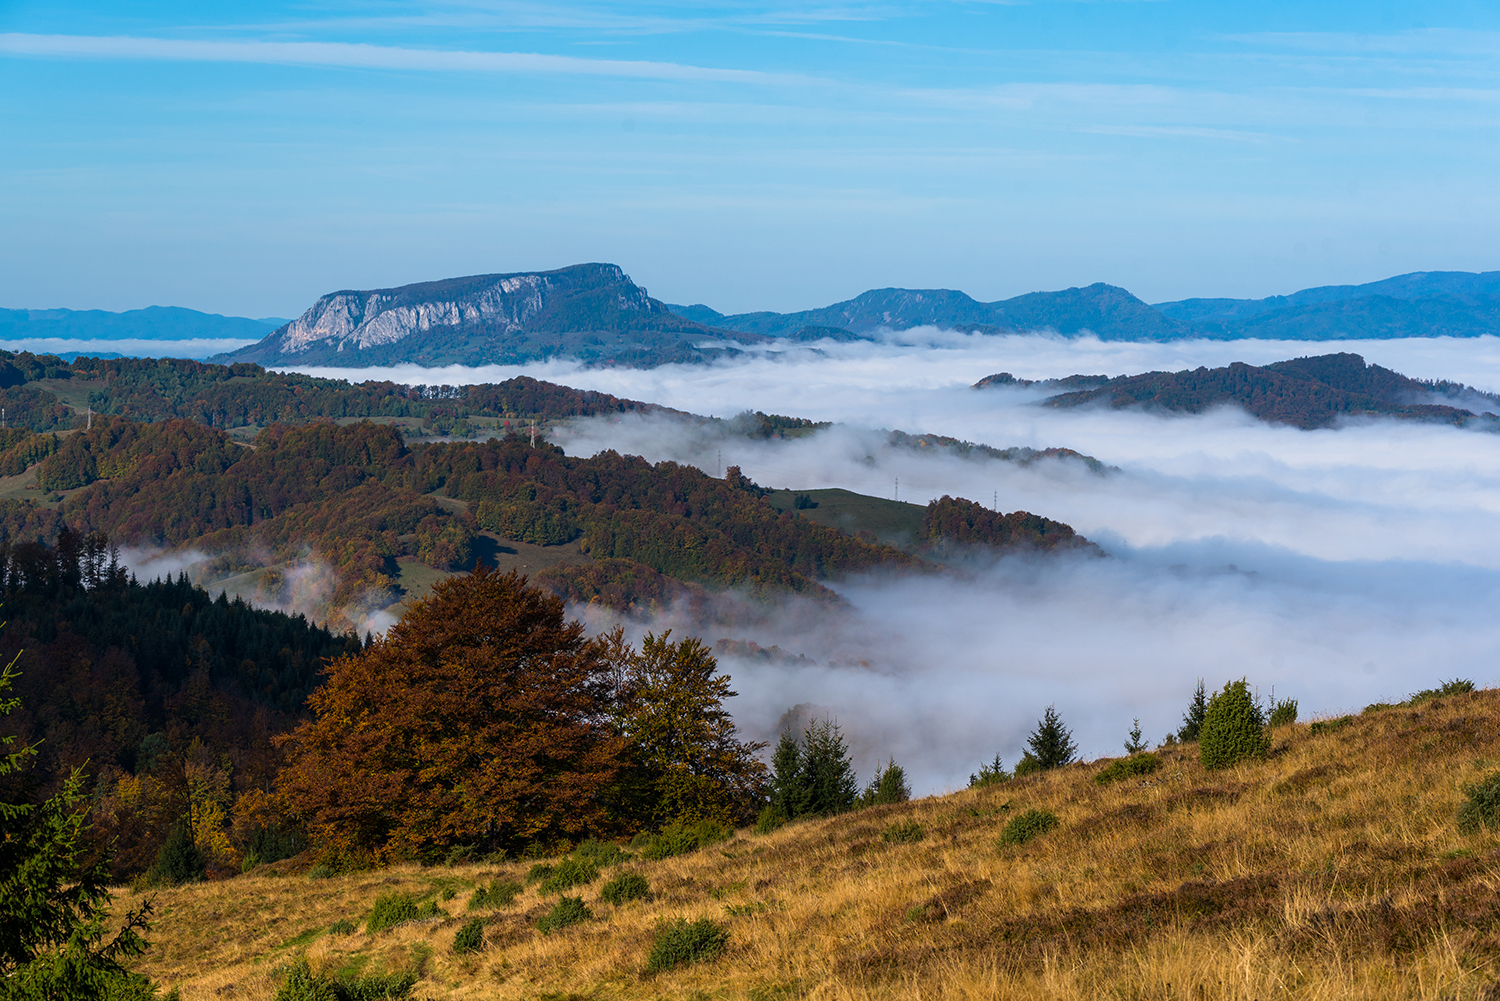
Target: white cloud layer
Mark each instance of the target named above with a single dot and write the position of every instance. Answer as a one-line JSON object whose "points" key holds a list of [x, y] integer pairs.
{"points": [[1340, 566]]}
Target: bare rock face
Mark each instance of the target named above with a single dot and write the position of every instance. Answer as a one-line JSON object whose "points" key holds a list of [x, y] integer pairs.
{"points": [[591, 311]]}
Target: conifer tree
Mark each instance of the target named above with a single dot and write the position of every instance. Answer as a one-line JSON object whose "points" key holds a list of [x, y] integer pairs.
{"points": [[827, 774], [1192, 720], [887, 786], [1133, 743], [1051, 743], [788, 796], [54, 898]]}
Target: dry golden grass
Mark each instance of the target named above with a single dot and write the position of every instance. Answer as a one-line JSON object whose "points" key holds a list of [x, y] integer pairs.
{"points": [[1332, 870]]}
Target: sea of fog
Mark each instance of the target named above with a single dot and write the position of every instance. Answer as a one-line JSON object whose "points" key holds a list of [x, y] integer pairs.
{"points": [[1338, 567]]}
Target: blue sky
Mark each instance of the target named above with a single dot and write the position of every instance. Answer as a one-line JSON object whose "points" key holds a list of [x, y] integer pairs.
{"points": [[246, 157]]}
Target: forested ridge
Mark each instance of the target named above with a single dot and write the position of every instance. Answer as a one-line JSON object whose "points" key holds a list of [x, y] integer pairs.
{"points": [[1308, 392]]}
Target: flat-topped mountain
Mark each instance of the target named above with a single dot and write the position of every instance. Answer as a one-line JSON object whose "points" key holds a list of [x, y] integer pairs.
{"points": [[593, 312]]}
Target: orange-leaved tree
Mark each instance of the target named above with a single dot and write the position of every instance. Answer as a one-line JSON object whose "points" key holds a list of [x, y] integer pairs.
{"points": [[685, 759], [480, 719]]}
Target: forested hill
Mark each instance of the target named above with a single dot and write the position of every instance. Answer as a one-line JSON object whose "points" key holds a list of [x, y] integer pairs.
{"points": [[45, 393], [1308, 392]]}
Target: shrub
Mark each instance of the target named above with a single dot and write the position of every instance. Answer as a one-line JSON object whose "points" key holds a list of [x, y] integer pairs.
{"points": [[179, 860], [1283, 712], [568, 873], [302, 984], [321, 871], [679, 839], [1457, 686], [470, 937], [988, 775], [567, 911], [459, 855], [1029, 825], [390, 909], [602, 853], [343, 926], [500, 893], [906, 833], [769, 820], [624, 887], [1051, 743], [1481, 807], [539, 872], [1327, 725], [1233, 728], [1028, 765], [682, 942], [1125, 768]]}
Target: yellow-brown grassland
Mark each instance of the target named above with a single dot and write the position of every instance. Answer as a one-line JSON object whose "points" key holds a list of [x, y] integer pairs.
{"points": [[1333, 869]]}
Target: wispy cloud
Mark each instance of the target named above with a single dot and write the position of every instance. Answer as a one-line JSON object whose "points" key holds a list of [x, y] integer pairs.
{"points": [[362, 56]]}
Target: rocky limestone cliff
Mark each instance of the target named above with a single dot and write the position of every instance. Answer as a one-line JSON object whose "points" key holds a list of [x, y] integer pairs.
{"points": [[591, 311]]}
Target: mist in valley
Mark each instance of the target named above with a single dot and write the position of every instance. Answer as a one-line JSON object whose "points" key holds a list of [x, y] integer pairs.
{"points": [[1339, 567]]}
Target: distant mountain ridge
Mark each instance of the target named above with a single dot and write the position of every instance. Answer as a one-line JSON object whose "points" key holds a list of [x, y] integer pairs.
{"points": [[1420, 304], [154, 323], [593, 312]]}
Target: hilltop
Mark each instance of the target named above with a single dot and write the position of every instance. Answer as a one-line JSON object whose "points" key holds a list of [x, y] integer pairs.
{"points": [[1309, 392], [1332, 869]]}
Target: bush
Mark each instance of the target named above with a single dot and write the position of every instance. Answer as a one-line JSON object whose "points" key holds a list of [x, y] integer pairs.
{"points": [[1284, 712], [179, 860], [539, 872], [1029, 825], [682, 942], [343, 926], [988, 775], [1481, 806], [302, 984], [567, 911], [1327, 725], [321, 871], [1458, 686], [679, 839], [470, 937], [390, 909], [1028, 765], [906, 833], [602, 853], [568, 873], [1233, 728], [1125, 768], [624, 887], [769, 820], [500, 893]]}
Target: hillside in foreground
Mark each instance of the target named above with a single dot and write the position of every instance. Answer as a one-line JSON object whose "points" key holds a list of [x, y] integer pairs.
{"points": [[1334, 868]]}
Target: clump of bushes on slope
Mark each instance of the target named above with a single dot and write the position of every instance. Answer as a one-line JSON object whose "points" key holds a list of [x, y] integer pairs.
{"points": [[302, 984], [500, 893], [1028, 826], [1481, 807], [679, 839], [1128, 768], [567, 911], [625, 887], [568, 873], [682, 942]]}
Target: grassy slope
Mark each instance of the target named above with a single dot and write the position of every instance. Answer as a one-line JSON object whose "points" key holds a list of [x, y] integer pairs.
{"points": [[1331, 870], [893, 522]]}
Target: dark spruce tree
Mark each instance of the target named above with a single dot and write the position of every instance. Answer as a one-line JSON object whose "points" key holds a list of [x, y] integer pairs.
{"points": [[888, 786], [828, 776], [788, 797], [1192, 720], [1051, 743]]}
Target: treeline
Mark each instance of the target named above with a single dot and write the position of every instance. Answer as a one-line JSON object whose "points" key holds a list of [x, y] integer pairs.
{"points": [[1304, 392], [226, 396], [169, 697]]}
